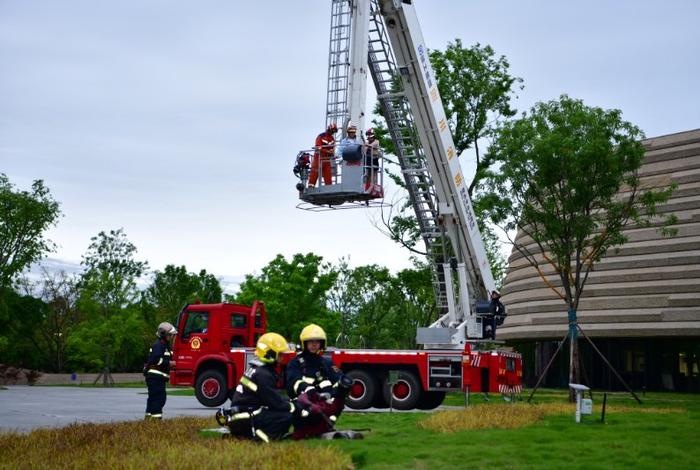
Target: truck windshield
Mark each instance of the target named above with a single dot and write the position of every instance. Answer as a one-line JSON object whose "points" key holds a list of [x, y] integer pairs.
{"points": [[197, 322]]}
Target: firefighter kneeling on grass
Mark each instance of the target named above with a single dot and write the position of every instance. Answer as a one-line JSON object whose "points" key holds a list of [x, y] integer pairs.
{"points": [[258, 411], [316, 384]]}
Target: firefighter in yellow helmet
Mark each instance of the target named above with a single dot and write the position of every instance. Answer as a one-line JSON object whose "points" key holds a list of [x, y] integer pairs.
{"points": [[257, 410], [316, 384]]}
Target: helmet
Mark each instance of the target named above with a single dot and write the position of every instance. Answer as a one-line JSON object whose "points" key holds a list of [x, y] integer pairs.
{"points": [[370, 132], [332, 127], [311, 332], [351, 127], [270, 346], [495, 292], [166, 329]]}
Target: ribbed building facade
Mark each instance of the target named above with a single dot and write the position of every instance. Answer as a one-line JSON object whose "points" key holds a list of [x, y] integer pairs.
{"points": [[640, 305]]}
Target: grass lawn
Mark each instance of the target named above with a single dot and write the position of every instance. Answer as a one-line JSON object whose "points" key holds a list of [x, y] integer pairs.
{"points": [[627, 439], [661, 433]]}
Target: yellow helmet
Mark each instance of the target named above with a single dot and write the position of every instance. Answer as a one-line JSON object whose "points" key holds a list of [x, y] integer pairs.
{"points": [[311, 332], [270, 346]]}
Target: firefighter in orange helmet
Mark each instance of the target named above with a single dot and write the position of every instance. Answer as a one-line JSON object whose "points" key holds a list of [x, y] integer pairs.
{"points": [[317, 385], [323, 156]]}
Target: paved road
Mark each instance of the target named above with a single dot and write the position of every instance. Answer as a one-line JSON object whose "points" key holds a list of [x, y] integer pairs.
{"points": [[24, 408]]}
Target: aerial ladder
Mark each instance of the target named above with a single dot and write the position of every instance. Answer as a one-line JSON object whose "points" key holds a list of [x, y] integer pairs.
{"points": [[383, 39]]}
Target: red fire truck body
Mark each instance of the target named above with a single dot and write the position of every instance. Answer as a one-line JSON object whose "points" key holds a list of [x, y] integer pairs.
{"points": [[216, 341]]}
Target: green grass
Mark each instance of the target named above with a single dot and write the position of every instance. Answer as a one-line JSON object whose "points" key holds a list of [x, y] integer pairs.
{"points": [[626, 439], [661, 433]]}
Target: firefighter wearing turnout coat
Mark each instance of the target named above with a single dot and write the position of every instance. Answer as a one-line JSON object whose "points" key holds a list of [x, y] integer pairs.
{"points": [[257, 410], [323, 156], [157, 370], [317, 384]]}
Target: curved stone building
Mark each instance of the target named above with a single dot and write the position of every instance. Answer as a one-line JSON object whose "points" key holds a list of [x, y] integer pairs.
{"points": [[641, 304]]}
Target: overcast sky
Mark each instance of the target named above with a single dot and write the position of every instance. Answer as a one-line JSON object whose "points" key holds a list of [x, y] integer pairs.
{"points": [[179, 120]]}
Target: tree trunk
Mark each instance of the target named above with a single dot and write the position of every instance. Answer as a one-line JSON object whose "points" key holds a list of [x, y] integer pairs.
{"points": [[574, 370]]}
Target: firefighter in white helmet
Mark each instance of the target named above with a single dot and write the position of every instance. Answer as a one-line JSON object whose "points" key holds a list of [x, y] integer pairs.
{"points": [[257, 410], [350, 146], [157, 370], [316, 384]]}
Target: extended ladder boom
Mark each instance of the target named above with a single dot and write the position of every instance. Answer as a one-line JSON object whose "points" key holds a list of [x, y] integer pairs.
{"points": [[385, 36]]}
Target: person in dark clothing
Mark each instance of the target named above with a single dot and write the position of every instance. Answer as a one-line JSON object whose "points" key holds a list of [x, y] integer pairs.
{"points": [[157, 371], [497, 314], [258, 411], [312, 378]]}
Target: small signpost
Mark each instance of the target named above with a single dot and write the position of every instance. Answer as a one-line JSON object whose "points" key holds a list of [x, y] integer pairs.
{"points": [[392, 380], [584, 406]]}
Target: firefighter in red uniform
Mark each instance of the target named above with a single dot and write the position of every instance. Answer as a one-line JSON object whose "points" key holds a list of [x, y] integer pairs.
{"points": [[257, 410], [316, 384], [325, 149]]}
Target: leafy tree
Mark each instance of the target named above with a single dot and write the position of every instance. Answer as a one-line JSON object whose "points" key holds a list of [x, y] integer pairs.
{"points": [[22, 315], [568, 182], [382, 310], [174, 287], [24, 217], [108, 287], [294, 293], [477, 89], [59, 291], [353, 297]]}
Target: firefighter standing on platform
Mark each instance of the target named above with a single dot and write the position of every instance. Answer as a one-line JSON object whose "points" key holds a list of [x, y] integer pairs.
{"points": [[314, 380], [323, 156], [157, 371], [257, 410]]}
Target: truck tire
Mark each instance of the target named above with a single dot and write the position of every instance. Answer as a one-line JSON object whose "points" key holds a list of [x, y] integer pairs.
{"points": [[431, 400], [363, 390], [210, 388], [406, 392]]}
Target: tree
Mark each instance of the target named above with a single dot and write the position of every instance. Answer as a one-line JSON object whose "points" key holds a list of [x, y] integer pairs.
{"points": [[24, 218], [19, 329], [477, 88], [174, 287], [109, 284], [353, 297], [379, 309], [59, 292], [568, 181], [294, 293]]}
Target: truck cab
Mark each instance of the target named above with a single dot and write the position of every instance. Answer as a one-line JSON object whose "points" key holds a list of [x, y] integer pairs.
{"points": [[203, 350]]}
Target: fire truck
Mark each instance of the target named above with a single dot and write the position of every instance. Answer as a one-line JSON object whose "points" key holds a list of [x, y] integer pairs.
{"points": [[215, 342], [381, 39]]}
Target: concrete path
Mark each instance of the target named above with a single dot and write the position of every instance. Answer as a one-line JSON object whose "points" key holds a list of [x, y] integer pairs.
{"points": [[24, 408]]}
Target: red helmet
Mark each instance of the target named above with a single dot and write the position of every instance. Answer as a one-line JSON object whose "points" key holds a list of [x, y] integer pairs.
{"points": [[332, 127], [370, 132]]}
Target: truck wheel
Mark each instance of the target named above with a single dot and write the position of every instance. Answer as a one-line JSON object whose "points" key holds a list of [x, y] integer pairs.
{"points": [[404, 394], [362, 391], [210, 388], [431, 400]]}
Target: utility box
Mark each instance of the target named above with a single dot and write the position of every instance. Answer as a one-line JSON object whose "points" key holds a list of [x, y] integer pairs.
{"points": [[579, 389], [586, 406]]}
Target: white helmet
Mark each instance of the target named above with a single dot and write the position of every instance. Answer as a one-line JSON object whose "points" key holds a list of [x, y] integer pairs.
{"points": [[166, 329], [352, 126]]}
